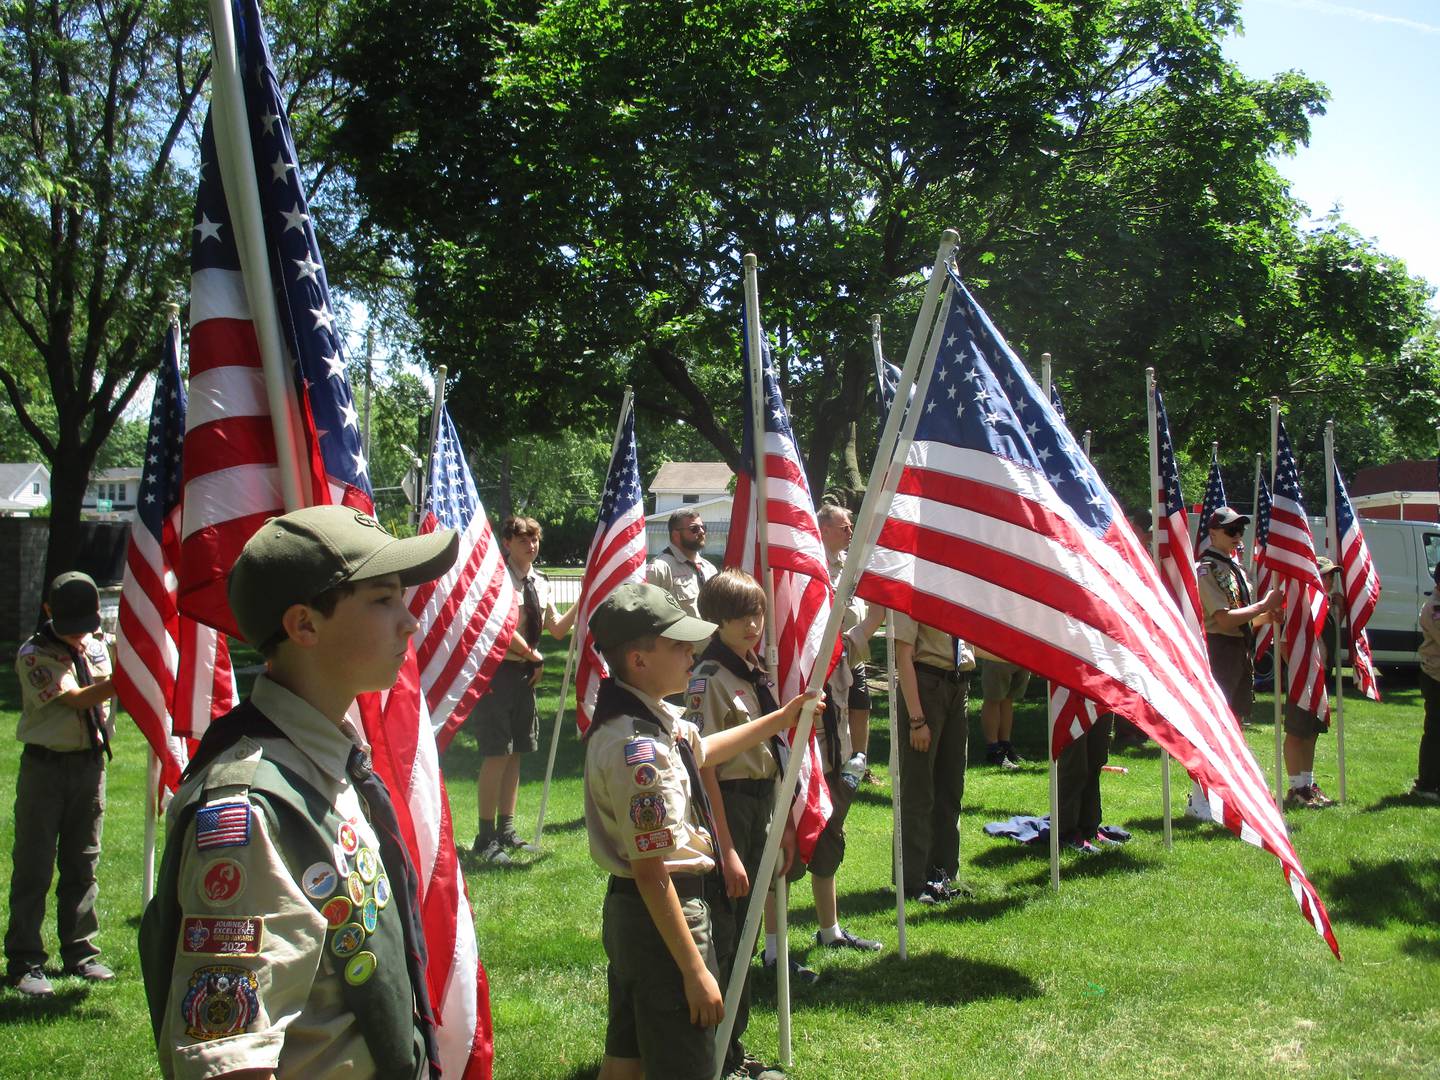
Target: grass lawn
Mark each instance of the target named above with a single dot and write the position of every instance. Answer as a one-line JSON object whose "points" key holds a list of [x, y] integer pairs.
{"points": [[1148, 963]]}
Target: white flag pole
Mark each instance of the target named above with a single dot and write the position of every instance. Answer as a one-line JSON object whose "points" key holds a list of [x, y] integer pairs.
{"points": [[626, 403], [897, 852], [435, 409], [1050, 718], [1332, 541], [233, 147], [1255, 509], [1157, 515], [147, 866], [1277, 645], [888, 464]]}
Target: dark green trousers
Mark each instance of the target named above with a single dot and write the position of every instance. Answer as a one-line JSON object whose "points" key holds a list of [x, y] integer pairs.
{"points": [[932, 784], [1078, 775]]}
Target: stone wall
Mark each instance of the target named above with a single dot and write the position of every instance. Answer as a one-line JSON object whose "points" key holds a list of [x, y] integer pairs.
{"points": [[22, 562]]}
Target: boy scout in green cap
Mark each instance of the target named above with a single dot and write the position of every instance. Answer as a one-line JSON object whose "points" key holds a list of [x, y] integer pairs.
{"points": [[283, 936], [66, 726], [650, 825]]}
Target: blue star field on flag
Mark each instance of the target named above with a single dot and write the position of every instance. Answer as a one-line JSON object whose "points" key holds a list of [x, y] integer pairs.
{"points": [[777, 417], [161, 481], [1214, 499], [451, 495], [1287, 476], [887, 377], [982, 398], [622, 486], [1262, 515], [1169, 472]]}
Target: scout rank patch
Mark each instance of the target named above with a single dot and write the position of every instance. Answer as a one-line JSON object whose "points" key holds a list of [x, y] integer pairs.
{"points": [[223, 825], [221, 882], [222, 1000], [646, 775], [639, 750], [647, 811], [208, 935]]}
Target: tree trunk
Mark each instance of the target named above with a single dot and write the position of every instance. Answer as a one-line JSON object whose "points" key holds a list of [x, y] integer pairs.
{"points": [[68, 481], [853, 477], [505, 503]]}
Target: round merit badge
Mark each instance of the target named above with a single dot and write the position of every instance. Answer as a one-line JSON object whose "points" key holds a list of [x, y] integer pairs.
{"points": [[647, 811], [347, 940], [360, 967], [222, 1000], [382, 891], [319, 880], [370, 915], [368, 863], [645, 775], [337, 912], [222, 881], [342, 861], [355, 885], [348, 837]]}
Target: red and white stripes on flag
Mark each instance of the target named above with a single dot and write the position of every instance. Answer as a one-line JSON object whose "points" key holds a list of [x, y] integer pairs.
{"points": [[1001, 532], [1264, 579], [616, 557], [1177, 556], [172, 674], [1290, 556], [1361, 584], [467, 616], [799, 573]]}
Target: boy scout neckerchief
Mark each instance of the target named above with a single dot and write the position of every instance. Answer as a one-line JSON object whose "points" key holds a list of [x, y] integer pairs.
{"points": [[759, 679], [94, 718], [1242, 588], [614, 700]]}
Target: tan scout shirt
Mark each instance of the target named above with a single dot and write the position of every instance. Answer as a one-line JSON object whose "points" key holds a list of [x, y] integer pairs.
{"points": [[637, 794], [46, 671], [717, 700], [680, 577], [246, 910], [934, 648], [1219, 584], [1429, 650]]}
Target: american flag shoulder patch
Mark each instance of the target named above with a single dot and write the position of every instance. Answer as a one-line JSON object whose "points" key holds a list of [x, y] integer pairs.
{"points": [[638, 751], [697, 686], [223, 825]]}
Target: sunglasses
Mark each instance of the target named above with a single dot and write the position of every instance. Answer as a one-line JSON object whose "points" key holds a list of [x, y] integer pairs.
{"points": [[695, 528], [1234, 530]]}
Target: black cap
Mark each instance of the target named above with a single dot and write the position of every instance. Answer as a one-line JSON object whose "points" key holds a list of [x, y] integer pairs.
{"points": [[74, 604]]}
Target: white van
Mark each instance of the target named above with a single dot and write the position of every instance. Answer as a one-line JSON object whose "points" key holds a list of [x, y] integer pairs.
{"points": [[1405, 554]]}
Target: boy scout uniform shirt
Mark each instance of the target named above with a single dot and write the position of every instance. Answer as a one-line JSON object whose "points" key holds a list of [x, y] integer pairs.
{"points": [[46, 671], [1220, 584], [681, 578], [933, 648], [717, 699], [254, 941], [1429, 651], [638, 803]]}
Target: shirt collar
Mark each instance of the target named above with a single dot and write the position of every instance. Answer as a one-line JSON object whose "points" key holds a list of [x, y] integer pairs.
{"points": [[664, 712], [315, 736]]}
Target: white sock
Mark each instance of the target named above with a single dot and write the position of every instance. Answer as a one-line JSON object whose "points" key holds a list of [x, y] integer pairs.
{"points": [[771, 948], [1308, 778], [1297, 782], [830, 933]]}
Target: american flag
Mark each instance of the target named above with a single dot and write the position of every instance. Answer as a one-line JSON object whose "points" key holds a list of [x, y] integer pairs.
{"points": [[172, 674], [1362, 588], [1214, 499], [616, 557], [232, 485], [1001, 532], [1264, 580], [887, 377], [1290, 556], [467, 616], [1177, 558], [799, 572]]}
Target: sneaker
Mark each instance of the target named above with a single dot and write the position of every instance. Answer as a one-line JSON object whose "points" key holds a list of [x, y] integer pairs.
{"points": [[1012, 759], [1428, 794], [1318, 799], [33, 983], [1078, 844], [847, 940], [753, 1068], [511, 842], [1100, 840], [998, 756], [799, 973], [1198, 810], [870, 778], [932, 894], [90, 970], [1299, 798], [494, 854]]}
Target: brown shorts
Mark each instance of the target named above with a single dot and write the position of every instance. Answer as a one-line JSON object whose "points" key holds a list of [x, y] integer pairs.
{"points": [[1233, 665], [505, 720]]}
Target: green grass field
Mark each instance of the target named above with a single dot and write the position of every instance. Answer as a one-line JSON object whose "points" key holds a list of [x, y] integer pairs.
{"points": [[1148, 963]]}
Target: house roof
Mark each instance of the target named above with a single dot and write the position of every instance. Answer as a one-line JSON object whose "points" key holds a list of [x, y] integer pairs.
{"points": [[15, 474], [692, 477], [123, 472], [1396, 476]]}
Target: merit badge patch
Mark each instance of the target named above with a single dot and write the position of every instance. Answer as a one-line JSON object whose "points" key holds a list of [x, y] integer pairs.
{"points": [[639, 750], [207, 935], [658, 840], [368, 865], [222, 1000], [347, 940], [360, 967], [319, 880], [355, 886], [337, 912], [382, 891], [349, 838], [225, 825], [370, 915], [647, 811], [646, 775], [221, 882], [342, 861]]}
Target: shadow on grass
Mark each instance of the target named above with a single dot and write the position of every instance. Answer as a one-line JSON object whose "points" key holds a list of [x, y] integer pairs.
{"points": [[936, 979], [1399, 800], [1422, 948], [1188, 827], [573, 825], [1383, 891], [15, 1008]]}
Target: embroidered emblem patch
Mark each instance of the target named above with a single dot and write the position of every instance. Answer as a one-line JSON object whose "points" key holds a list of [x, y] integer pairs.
{"points": [[225, 825], [639, 750], [221, 882], [1202, 569], [647, 811], [367, 863], [342, 861], [207, 935], [355, 886], [347, 940], [360, 967], [382, 891], [697, 686], [222, 1000], [645, 775], [658, 840], [349, 838], [319, 880], [39, 678], [337, 912], [370, 915]]}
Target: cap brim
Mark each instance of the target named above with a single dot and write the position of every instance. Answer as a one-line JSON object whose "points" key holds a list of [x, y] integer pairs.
{"points": [[77, 624], [689, 628], [416, 559]]}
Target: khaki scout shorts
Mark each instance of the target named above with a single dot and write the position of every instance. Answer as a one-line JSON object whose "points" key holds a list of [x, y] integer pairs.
{"points": [[1000, 681], [1234, 669]]}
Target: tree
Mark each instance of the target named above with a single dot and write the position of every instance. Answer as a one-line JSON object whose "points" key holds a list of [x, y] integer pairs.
{"points": [[97, 100]]}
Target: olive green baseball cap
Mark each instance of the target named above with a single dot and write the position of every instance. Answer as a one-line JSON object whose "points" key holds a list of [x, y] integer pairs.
{"points": [[638, 610], [74, 604], [294, 558]]}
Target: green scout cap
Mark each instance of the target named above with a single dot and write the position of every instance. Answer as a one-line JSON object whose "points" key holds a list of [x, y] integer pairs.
{"points": [[636, 610], [1225, 517], [74, 604], [294, 558]]}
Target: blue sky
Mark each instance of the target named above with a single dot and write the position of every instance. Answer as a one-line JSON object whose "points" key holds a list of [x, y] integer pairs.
{"points": [[1376, 151]]}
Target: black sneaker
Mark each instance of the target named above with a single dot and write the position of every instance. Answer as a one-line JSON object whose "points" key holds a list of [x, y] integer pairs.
{"points": [[755, 1069], [799, 973], [1012, 759], [511, 842], [1428, 794], [847, 940], [995, 754], [494, 854]]}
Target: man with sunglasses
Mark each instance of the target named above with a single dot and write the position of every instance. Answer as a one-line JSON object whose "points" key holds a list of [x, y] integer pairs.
{"points": [[680, 569], [1231, 613]]}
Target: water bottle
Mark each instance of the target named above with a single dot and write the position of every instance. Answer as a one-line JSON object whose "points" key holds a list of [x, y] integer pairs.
{"points": [[852, 771]]}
